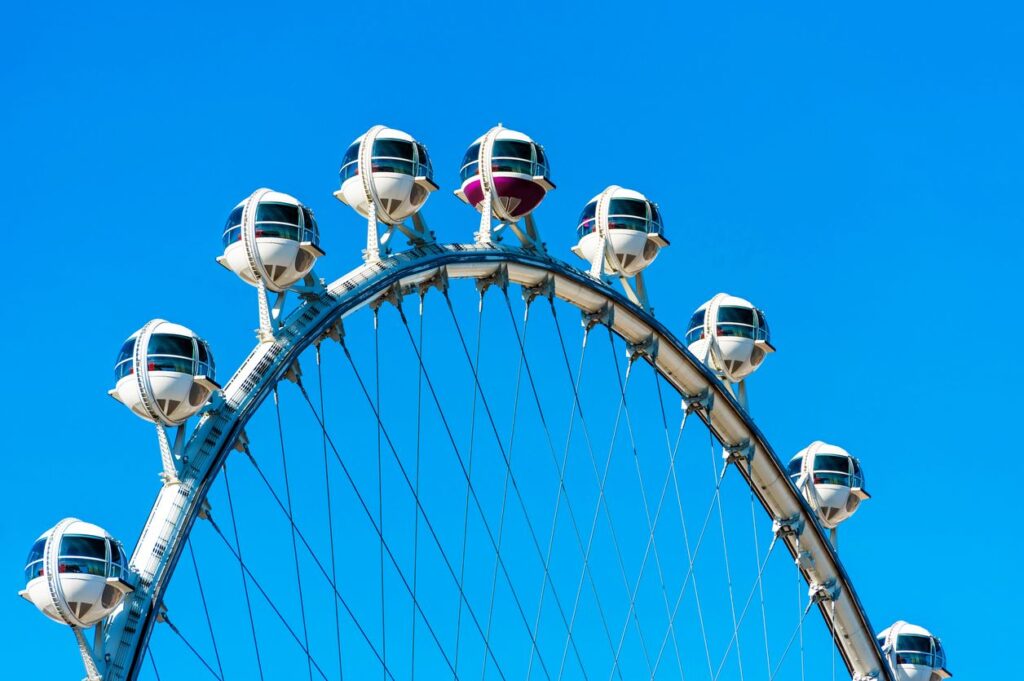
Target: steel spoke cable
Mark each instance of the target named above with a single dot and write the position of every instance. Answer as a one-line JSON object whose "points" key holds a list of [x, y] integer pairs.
{"points": [[760, 580], [419, 505], [746, 606], [380, 488], [799, 629], [602, 502], [475, 497], [152, 661], [472, 448], [266, 597], [512, 478], [504, 490], [690, 555], [245, 584], [188, 645], [725, 551], [574, 382], [206, 609], [298, 533], [416, 492], [295, 546], [690, 574], [651, 524], [330, 512], [799, 601]]}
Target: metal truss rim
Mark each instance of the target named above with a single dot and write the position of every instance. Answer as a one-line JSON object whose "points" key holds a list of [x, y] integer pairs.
{"points": [[219, 429]]}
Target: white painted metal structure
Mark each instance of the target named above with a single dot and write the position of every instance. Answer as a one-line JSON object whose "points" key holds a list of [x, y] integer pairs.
{"points": [[221, 426]]}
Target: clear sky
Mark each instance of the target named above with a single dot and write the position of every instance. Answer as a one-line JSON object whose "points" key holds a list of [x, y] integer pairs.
{"points": [[855, 171]]}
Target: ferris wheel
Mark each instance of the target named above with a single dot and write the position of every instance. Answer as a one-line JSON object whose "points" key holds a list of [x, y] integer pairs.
{"points": [[468, 460]]}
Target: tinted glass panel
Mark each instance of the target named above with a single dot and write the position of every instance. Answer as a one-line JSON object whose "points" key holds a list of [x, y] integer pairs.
{"points": [[203, 351], [278, 212], [655, 214], [126, 351], [738, 315], [115, 552], [92, 547], [33, 570], [351, 154], [697, 319], [694, 335], [542, 159], [832, 479], [913, 642], [738, 330], [182, 365], [512, 149], [170, 344], [235, 218], [512, 165], [351, 170], [472, 154], [620, 222], [274, 229], [794, 466], [82, 566], [468, 171], [36, 552], [628, 207], [394, 148], [391, 165], [829, 462], [589, 211]]}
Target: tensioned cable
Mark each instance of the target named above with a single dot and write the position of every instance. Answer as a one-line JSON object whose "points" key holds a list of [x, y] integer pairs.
{"points": [[562, 491], [416, 492], [753, 590], [206, 609], [195, 652], [504, 490], [476, 500], [266, 596], [690, 573], [757, 558], [419, 506], [515, 488], [295, 546], [469, 477], [800, 629], [651, 524], [380, 488], [602, 480], [673, 454], [245, 585], [319, 563], [330, 513], [152, 661], [725, 551]]}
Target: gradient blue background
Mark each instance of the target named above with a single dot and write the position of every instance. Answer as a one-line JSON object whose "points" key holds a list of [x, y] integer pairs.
{"points": [[856, 172]]}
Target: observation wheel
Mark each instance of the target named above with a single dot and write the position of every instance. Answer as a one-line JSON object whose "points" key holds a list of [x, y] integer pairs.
{"points": [[469, 460]]}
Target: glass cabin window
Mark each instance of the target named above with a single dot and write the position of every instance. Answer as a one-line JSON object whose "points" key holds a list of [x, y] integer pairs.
{"points": [[234, 219], [351, 155], [512, 165], [831, 462], [697, 320], [393, 148], [512, 149], [542, 161], [83, 546], [170, 344], [914, 642], [82, 566], [472, 154], [586, 223], [425, 168], [735, 330], [278, 212], [736, 315], [633, 207], [36, 552], [794, 467]]}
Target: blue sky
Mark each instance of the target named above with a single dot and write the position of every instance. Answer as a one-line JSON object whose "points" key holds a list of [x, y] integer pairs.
{"points": [[855, 172]]}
